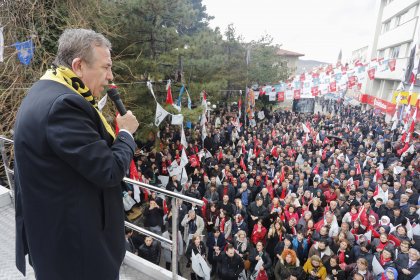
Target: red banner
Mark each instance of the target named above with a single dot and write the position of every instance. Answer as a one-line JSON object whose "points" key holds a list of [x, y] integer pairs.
{"points": [[352, 81], [314, 91], [383, 105], [296, 94], [391, 64], [302, 77], [371, 73], [280, 96], [333, 87]]}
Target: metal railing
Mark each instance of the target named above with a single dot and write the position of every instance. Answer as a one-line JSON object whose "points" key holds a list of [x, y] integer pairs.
{"points": [[175, 195], [6, 164]]}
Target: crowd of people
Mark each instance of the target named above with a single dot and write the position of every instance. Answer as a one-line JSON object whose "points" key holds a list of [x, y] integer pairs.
{"points": [[296, 196]]}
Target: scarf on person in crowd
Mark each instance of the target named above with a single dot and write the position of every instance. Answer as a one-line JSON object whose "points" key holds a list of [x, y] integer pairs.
{"points": [[222, 225], [382, 245], [383, 261], [65, 76]]}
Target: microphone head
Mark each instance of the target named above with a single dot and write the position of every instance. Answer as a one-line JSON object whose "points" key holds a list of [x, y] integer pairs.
{"points": [[113, 94]]}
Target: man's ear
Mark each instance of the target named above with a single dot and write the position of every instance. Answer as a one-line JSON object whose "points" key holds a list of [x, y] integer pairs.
{"points": [[76, 66]]}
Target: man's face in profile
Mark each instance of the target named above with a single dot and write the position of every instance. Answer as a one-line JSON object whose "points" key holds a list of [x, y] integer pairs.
{"points": [[96, 74]]}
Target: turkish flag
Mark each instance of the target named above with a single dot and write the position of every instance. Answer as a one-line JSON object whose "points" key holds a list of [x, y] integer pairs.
{"points": [[169, 99], [371, 73], [391, 64], [296, 94], [280, 96], [333, 86]]}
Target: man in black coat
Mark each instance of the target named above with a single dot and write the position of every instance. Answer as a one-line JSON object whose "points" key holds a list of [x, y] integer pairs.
{"points": [[230, 264], [150, 250], [69, 165], [409, 267]]}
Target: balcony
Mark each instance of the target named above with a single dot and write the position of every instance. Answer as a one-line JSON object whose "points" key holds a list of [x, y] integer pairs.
{"points": [[400, 65], [401, 34], [395, 7]]}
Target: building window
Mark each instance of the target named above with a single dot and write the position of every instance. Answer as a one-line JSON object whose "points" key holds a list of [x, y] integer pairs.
{"points": [[385, 26], [394, 52], [397, 21], [381, 53]]}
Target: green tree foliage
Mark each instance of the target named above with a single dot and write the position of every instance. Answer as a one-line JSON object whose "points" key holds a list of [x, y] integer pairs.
{"points": [[152, 40]]}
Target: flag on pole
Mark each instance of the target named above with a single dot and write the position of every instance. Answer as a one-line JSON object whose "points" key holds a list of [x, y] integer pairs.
{"points": [[169, 99], [25, 51], [160, 114]]}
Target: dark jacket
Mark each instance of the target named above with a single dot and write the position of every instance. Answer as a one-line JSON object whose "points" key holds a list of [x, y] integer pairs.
{"points": [[283, 271], [211, 242], [68, 172], [403, 263], [150, 253], [229, 268]]}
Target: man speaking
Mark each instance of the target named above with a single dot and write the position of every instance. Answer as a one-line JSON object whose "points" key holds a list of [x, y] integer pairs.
{"points": [[69, 165]]}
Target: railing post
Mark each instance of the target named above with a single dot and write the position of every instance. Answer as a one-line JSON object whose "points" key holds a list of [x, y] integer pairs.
{"points": [[174, 238], [6, 166]]}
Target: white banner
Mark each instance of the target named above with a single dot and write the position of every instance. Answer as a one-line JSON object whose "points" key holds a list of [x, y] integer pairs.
{"points": [[177, 119], [160, 114], [288, 95]]}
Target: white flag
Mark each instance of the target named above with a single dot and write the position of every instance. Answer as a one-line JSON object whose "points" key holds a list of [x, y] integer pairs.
{"points": [[203, 133], [398, 169], [174, 169], [183, 177], [208, 155], [164, 180], [183, 139], [1, 44], [136, 189], [150, 87], [368, 235], [184, 158], [305, 128], [299, 159], [376, 266], [409, 229], [101, 103], [394, 125], [160, 114], [177, 119], [347, 159]]}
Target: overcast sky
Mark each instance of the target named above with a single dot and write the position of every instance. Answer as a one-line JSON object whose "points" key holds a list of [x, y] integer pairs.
{"points": [[316, 28]]}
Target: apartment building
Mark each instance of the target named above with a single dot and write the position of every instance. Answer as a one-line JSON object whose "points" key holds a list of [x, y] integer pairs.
{"points": [[397, 30]]}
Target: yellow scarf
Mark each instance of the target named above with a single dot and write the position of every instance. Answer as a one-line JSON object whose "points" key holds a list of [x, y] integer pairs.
{"points": [[65, 76]]}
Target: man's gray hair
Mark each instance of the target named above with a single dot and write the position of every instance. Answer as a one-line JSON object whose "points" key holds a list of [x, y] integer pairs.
{"points": [[78, 43]]}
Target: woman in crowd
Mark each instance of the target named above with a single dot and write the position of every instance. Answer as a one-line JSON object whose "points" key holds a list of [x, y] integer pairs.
{"points": [[197, 246], [224, 223], [360, 267], [274, 236], [212, 213], [258, 233], [260, 254], [314, 268], [334, 270], [288, 265]]}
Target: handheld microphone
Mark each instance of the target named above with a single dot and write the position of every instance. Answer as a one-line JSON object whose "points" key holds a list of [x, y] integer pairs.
{"points": [[115, 97]]}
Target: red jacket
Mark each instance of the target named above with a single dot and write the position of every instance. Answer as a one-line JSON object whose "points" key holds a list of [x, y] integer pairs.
{"points": [[258, 236]]}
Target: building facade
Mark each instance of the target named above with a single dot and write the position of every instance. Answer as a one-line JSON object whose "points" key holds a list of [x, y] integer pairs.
{"points": [[396, 32]]}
